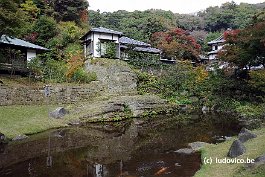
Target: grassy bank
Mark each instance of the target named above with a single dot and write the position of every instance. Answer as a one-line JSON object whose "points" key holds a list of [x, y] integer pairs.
{"points": [[255, 148], [18, 120]]}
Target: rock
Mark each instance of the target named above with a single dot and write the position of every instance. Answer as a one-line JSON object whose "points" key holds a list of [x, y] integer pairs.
{"points": [[185, 151], [258, 161], [183, 107], [2, 149], [58, 113], [20, 137], [205, 109], [196, 146], [177, 165], [138, 122], [2, 138], [237, 148], [115, 75], [220, 139], [246, 135], [75, 122]]}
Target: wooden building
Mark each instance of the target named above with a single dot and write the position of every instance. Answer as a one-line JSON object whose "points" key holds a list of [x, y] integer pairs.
{"points": [[16, 53]]}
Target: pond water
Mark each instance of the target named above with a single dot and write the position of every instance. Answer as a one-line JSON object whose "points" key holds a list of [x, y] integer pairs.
{"points": [[132, 148]]}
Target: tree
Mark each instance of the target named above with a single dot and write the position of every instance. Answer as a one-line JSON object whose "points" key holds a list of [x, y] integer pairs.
{"points": [[70, 10], [44, 29], [177, 44], [245, 48], [10, 17], [30, 8], [229, 15]]}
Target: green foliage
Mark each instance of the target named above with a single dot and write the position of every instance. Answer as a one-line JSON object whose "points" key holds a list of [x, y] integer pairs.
{"points": [[229, 15], [107, 49], [30, 8], [138, 25], [36, 66], [144, 61], [46, 29], [246, 47], [257, 79], [11, 17], [190, 22], [210, 36], [54, 71], [69, 10], [82, 76]]}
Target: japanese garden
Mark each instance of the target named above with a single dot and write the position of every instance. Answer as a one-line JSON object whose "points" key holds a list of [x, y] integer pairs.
{"points": [[131, 93]]}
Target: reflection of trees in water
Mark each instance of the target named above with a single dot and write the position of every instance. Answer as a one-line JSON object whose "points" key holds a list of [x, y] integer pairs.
{"points": [[102, 150]]}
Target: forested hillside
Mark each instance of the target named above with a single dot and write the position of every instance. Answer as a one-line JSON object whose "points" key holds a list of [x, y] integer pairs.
{"points": [[142, 24], [54, 24]]}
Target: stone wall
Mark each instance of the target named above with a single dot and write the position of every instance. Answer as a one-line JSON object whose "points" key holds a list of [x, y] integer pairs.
{"points": [[59, 93], [116, 75]]}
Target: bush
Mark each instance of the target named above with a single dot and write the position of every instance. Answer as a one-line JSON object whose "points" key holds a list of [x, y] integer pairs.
{"points": [[82, 76], [257, 79]]}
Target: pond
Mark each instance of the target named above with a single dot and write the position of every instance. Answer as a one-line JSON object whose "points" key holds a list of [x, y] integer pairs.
{"points": [[132, 148]]}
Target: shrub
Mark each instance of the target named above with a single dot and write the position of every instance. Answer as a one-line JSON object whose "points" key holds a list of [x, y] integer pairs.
{"points": [[257, 79], [82, 76]]}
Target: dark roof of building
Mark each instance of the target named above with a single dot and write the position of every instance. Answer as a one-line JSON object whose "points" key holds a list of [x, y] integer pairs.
{"points": [[18, 42], [102, 30], [213, 52], [126, 40], [218, 40], [148, 50]]}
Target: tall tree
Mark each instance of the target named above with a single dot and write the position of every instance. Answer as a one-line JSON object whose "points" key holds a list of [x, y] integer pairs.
{"points": [[177, 44], [70, 10], [10, 17], [245, 48]]}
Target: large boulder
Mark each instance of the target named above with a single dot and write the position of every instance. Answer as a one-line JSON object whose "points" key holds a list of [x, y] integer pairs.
{"points": [[196, 146], [185, 151], [258, 161], [2, 138], [20, 137], [237, 148], [58, 113], [116, 75], [246, 135]]}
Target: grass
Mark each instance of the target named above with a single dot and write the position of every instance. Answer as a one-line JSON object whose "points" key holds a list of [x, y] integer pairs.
{"points": [[18, 120], [255, 148]]}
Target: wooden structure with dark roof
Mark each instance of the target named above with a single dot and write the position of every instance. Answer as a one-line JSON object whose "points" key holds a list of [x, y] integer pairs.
{"points": [[27, 52], [216, 46], [94, 43]]}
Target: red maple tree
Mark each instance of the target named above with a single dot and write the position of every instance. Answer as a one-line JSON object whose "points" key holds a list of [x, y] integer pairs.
{"points": [[177, 44]]}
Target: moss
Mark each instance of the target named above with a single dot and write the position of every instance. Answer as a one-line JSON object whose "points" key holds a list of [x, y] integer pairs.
{"points": [[255, 148], [18, 120]]}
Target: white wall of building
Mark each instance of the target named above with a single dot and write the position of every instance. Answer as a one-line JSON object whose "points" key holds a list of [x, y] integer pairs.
{"points": [[31, 54], [212, 56], [93, 47]]}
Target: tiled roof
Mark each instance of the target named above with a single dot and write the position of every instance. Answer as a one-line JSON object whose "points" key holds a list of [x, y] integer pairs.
{"points": [[102, 30], [18, 42], [126, 40], [148, 49], [105, 30]]}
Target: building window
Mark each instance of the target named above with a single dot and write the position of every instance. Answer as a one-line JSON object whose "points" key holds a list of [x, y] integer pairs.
{"points": [[216, 47]]}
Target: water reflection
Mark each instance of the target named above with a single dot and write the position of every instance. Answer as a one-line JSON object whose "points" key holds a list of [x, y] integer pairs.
{"points": [[123, 149]]}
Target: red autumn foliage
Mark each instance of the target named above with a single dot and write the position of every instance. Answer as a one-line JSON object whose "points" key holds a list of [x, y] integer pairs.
{"points": [[231, 35], [32, 37], [177, 44], [83, 16]]}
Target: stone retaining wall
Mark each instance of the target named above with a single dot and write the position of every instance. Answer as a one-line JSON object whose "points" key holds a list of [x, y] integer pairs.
{"points": [[58, 94]]}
